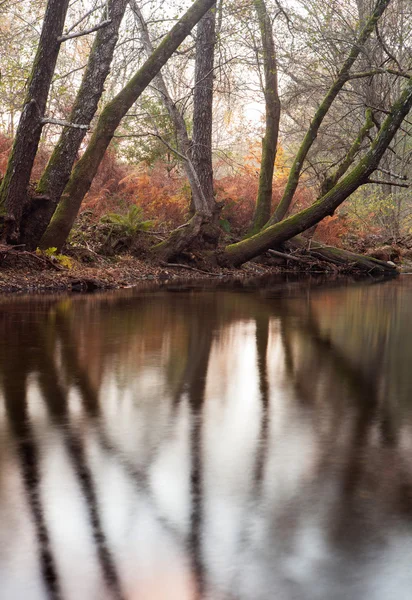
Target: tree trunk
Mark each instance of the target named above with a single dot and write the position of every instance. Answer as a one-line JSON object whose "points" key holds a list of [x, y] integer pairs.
{"points": [[272, 236], [85, 170], [203, 106], [13, 192], [311, 135], [184, 144], [272, 103], [57, 172]]}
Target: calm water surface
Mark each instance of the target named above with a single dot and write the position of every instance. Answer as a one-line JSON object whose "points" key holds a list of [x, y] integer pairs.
{"points": [[214, 445]]}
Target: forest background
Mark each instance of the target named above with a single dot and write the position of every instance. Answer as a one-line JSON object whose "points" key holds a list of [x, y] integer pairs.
{"points": [[262, 111]]}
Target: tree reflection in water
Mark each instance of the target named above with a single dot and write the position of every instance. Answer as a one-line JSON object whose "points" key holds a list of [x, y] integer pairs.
{"points": [[223, 444]]}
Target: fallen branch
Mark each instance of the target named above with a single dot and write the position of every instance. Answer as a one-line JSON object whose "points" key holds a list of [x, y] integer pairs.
{"points": [[4, 249], [288, 256], [341, 257], [179, 266]]}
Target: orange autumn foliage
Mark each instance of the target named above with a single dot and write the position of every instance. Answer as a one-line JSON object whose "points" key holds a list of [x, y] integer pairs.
{"points": [[40, 162], [164, 194]]}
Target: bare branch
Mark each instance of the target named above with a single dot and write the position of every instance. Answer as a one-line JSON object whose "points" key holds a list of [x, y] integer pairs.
{"points": [[71, 36], [64, 123], [393, 183], [394, 175]]}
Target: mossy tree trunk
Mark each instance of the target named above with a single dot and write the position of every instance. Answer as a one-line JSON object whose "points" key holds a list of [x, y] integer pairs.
{"points": [[272, 236], [184, 144], [272, 105], [13, 191], [110, 118], [57, 172], [311, 135]]}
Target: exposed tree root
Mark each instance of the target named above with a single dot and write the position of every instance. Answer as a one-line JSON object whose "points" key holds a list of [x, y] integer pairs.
{"points": [[180, 239]]}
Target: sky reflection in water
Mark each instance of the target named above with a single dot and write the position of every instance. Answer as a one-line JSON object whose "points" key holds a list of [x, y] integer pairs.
{"points": [[213, 445]]}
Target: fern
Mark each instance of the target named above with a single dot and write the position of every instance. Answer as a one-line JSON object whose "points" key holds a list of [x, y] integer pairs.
{"points": [[130, 223]]}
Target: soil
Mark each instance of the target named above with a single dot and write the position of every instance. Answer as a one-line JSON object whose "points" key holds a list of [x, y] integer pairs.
{"points": [[22, 272]]}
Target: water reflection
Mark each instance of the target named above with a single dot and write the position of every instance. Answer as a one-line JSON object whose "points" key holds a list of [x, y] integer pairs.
{"points": [[209, 445]]}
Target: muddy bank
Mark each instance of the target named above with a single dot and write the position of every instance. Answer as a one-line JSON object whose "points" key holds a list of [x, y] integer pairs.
{"points": [[122, 272], [22, 272]]}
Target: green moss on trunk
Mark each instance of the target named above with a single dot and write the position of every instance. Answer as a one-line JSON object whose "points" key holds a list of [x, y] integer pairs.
{"points": [[85, 170]]}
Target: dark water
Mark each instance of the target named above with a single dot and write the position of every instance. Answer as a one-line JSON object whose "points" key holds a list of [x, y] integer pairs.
{"points": [[221, 445]]}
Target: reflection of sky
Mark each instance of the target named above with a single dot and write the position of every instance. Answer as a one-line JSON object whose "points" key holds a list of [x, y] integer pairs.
{"points": [[287, 537]]}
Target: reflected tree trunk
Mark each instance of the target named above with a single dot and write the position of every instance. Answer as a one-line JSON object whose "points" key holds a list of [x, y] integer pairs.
{"points": [[16, 364], [56, 401], [196, 384], [262, 340]]}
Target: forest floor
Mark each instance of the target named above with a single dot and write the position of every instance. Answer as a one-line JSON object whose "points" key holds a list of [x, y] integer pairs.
{"points": [[22, 272]]}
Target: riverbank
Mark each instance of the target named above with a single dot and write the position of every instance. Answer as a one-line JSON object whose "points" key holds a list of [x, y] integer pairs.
{"points": [[24, 272], [122, 272]]}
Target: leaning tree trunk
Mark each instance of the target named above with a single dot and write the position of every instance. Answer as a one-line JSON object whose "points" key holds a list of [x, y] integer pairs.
{"points": [[272, 102], [311, 135], [57, 172], [13, 190], [272, 236], [184, 144], [203, 106], [85, 170]]}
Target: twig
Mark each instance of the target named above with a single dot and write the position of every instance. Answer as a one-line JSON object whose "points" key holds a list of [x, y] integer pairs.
{"points": [[179, 266], [90, 12], [287, 256]]}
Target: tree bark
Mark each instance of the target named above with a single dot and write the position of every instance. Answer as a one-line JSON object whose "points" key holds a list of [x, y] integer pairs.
{"points": [[13, 191], [57, 172], [272, 104], [85, 170], [184, 144], [311, 135], [179, 239], [203, 106], [272, 236]]}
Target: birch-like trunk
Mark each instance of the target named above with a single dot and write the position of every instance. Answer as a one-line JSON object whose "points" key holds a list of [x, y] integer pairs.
{"points": [[203, 106], [184, 144]]}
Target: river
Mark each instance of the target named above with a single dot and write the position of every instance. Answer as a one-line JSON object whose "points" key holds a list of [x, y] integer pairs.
{"points": [[245, 443]]}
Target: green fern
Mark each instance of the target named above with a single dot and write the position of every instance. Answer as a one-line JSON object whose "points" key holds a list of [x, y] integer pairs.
{"points": [[130, 223]]}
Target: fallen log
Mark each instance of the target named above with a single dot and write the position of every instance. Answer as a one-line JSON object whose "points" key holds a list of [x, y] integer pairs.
{"points": [[340, 257]]}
